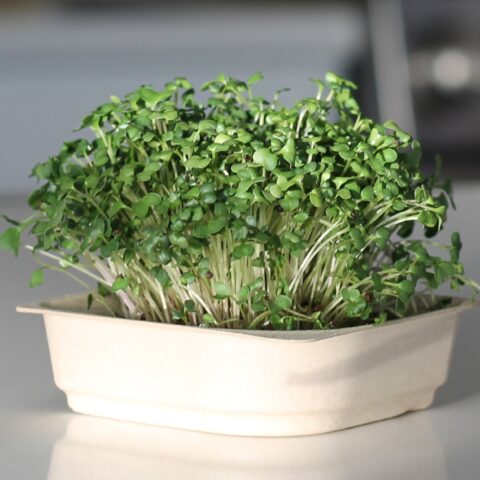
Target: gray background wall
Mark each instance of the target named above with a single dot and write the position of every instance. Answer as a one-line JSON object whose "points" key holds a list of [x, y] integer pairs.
{"points": [[55, 65]]}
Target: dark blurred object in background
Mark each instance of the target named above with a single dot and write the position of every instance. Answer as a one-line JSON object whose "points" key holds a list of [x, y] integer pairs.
{"points": [[443, 39], [425, 61]]}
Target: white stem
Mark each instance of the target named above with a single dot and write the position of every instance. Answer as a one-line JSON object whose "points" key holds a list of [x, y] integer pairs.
{"points": [[61, 260]]}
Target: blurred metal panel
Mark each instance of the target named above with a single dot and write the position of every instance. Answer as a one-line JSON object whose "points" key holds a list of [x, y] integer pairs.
{"points": [[390, 62]]}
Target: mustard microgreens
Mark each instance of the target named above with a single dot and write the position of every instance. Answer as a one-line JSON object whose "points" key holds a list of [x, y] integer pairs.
{"points": [[241, 212]]}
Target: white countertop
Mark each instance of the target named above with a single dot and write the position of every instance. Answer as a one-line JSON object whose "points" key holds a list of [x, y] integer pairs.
{"points": [[41, 439]]}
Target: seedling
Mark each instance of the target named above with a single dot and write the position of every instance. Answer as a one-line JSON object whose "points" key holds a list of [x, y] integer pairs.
{"points": [[243, 213]]}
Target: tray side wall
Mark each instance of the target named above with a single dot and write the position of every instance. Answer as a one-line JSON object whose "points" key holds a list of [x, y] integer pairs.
{"points": [[238, 384]]}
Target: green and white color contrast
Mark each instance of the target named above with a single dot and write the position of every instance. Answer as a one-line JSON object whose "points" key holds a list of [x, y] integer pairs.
{"points": [[234, 211]]}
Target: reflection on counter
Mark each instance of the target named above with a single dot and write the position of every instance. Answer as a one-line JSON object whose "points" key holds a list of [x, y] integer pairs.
{"points": [[99, 449]]}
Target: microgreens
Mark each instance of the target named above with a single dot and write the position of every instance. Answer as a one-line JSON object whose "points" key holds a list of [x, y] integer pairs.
{"points": [[243, 213]]}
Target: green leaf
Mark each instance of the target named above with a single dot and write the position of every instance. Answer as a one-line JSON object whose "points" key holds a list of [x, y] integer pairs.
{"points": [[456, 242], [289, 203], [201, 230], [428, 218], [152, 98], [112, 246], [420, 194], [115, 207], [10, 240], [178, 240], [282, 302], [128, 256], [164, 155], [120, 283], [216, 224], [356, 303], [188, 277], [42, 170], [243, 294], [209, 320], [315, 199], [221, 290], [377, 163], [95, 229], [259, 306], [204, 125], [300, 217], [148, 171], [375, 137], [189, 306], [89, 301], [209, 198], [380, 319], [142, 206], [381, 238], [37, 278], [100, 158], [222, 138], [344, 193], [339, 181], [367, 194], [244, 250], [92, 180], [266, 158], [357, 237], [288, 150], [444, 270], [389, 155], [126, 174], [276, 191], [256, 77], [197, 162], [406, 287]]}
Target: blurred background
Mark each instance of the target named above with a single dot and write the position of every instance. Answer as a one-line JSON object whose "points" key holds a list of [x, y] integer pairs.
{"points": [[415, 61]]}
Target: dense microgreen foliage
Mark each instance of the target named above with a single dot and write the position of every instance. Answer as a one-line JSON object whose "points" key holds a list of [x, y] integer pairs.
{"points": [[243, 213]]}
